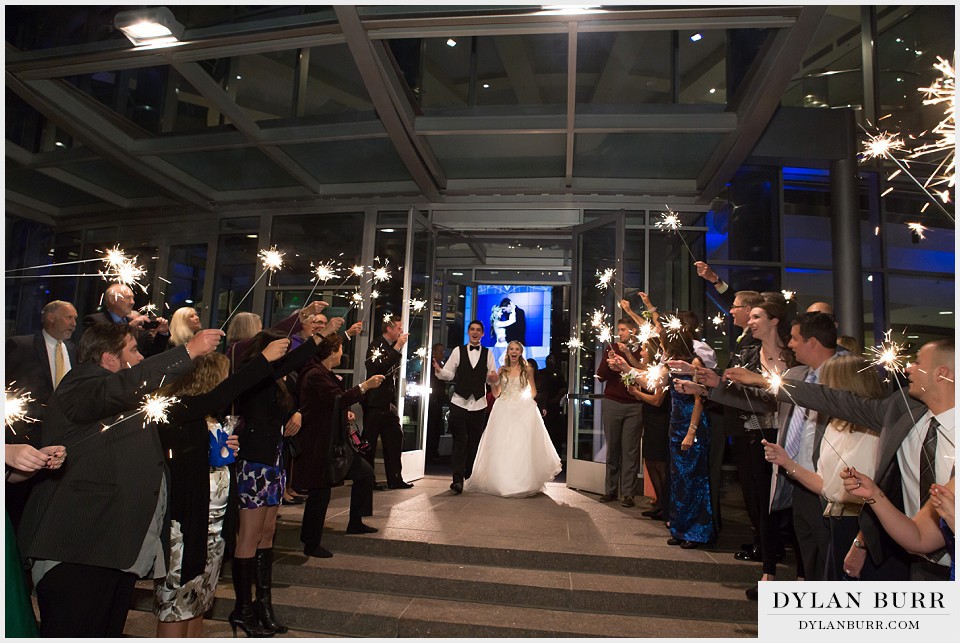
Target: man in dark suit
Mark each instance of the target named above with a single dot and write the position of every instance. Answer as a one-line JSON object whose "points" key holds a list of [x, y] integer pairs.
{"points": [[380, 405], [36, 364], [471, 368], [152, 335], [98, 524], [915, 449], [517, 331]]}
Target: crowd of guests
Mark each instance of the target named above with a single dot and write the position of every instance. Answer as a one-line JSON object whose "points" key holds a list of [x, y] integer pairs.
{"points": [[171, 498], [850, 466]]}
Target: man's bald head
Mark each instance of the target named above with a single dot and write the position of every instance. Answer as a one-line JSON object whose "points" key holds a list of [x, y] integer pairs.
{"points": [[820, 307], [119, 300]]}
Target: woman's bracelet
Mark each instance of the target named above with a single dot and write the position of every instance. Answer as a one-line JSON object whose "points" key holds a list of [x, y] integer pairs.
{"points": [[791, 473], [692, 428], [873, 500]]}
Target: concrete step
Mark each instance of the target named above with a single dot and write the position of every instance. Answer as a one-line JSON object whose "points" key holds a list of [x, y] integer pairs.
{"points": [[647, 559], [144, 625], [337, 612], [577, 591]]}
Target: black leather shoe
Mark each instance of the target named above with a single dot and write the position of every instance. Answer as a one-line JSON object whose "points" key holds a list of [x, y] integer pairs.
{"points": [[456, 487], [748, 546], [606, 498], [401, 485], [650, 513], [689, 544], [361, 529], [674, 542], [753, 593], [317, 551], [627, 501], [750, 555], [379, 487]]}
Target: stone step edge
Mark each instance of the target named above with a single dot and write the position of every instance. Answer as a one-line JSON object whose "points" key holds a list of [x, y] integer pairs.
{"points": [[224, 602], [609, 564]]}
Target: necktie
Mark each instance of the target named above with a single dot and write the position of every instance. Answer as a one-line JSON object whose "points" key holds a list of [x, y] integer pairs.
{"points": [[797, 421], [474, 348], [59, 369], [928, 460]]}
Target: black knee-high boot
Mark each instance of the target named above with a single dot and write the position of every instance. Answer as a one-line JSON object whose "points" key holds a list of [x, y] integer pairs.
{"points": [[243, 615], [264, 581]]}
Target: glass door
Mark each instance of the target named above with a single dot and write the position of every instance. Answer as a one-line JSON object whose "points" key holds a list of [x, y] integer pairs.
{"points": [[414, 394], [598, 246]]}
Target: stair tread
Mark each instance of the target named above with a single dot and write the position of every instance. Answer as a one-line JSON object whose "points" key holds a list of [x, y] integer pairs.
{"points": [[574, 581]]}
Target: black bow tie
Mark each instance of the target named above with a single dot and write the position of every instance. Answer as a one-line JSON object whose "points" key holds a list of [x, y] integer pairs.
{"points": [[474, 348]]}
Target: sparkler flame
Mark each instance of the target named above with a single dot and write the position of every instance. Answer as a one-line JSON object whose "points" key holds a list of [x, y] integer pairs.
{"points": [[357, 270], [148, 308], [325, 271], [387, 317], [774, 381], [888, 354], [598, 317], [604, 334], [605, 278], [155, 408], [421, 352], [271, 259], [788, 294], [114, 257], [671, 325], [376, 354], [374, 294], [15, 407], [654, 376], [574, 343], [718, 320], [670, 221], [943, 90], [356, 300], [918, 229], [881, 145], [381, 273], [417, 305]]}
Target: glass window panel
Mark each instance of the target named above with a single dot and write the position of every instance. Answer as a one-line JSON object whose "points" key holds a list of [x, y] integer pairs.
{"points": [[38, 186], [831, 71], [240, 224], [501, 156], [233, 169], [628, 68], [674, 284], [28, 243], [353, 161], [186, 271], [262, 84], [521, 70], [626, 156], [918, 303], [334, 90], [522, 276], [906, 250], [237, 268], [703, 63], [138, 95], [110, 177], [25, 125], [746, 227], [312, 239]]}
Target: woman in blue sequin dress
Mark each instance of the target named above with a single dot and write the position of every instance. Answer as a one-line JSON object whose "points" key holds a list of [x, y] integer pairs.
{"points": [[691, 513]]}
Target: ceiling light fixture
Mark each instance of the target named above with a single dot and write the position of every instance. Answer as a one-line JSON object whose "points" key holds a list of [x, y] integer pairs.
{"points": [[388, 230], [713, 90], [154, 27], [696, 37], [451, 42], [571, 9], [486, 85]]}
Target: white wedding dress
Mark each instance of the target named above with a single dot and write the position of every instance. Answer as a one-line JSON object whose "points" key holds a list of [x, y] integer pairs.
{"points": [[515, 457]]}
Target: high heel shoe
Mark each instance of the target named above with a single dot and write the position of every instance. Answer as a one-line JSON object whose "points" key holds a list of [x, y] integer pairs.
{"points": [[263, 575], [243, 615]]}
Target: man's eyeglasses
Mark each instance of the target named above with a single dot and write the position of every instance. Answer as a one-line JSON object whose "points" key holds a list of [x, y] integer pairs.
{"points": [[740, 306]]}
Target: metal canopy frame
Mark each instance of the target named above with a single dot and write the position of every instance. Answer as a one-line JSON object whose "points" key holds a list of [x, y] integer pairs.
{"points": [[35, 76]]}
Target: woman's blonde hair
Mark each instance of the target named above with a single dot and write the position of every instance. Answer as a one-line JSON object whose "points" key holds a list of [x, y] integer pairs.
{"points": [[180, 332], [208, 371], [521, 362], [854, 374], [243, 326]]}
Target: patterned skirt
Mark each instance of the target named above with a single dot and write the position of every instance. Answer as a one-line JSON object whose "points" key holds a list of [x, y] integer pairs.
{"points": [[260, 485], [178, 599]]}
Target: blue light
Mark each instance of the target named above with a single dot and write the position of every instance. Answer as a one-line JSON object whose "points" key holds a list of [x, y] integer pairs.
{"points": [[798, 173]]}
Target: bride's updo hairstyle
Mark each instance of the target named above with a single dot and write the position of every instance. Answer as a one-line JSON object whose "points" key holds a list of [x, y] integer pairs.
{"points": [[522, 363]]}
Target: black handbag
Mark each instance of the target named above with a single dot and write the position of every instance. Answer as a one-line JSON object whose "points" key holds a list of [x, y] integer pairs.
{"points": [[340, 454]]}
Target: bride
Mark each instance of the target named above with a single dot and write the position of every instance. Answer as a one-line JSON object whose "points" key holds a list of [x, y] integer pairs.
{"points": [[515, 457]]}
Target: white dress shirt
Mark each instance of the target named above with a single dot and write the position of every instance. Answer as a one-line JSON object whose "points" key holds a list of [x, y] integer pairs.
{"points": [[51, 345], [911, 451], [449, 371]]}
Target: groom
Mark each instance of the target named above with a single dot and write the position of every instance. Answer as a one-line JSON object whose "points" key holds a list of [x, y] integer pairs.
{"points": [[470, 368]]}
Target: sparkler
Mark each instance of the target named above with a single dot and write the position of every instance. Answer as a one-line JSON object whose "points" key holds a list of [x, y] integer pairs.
{"points": [[943, 90], [374, 294], [356, 300], [376, 354], [421, 352], [888, 355], [918, 229], [15, 407], [272, 261], [881, 145], [671, 222], [387, 317], [605, 278], [788, 295], [718, 322], [654, 376], [380, 273], [574, 343], [417, 305], [154, 410], [148, 308]]}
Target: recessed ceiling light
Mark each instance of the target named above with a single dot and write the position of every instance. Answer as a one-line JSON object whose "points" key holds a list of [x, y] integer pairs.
{"points": [[486, 85], [457, 274], [451, 42], [188, 301], [913, 336], [713, 90], [239, 77], [869, 277], [946, 312], [696, 37], [60, 144], [251, 236], [388, 230]]}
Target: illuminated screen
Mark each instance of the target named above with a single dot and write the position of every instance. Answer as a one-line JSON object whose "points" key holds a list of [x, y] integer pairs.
{"points": [[519, 313]]}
